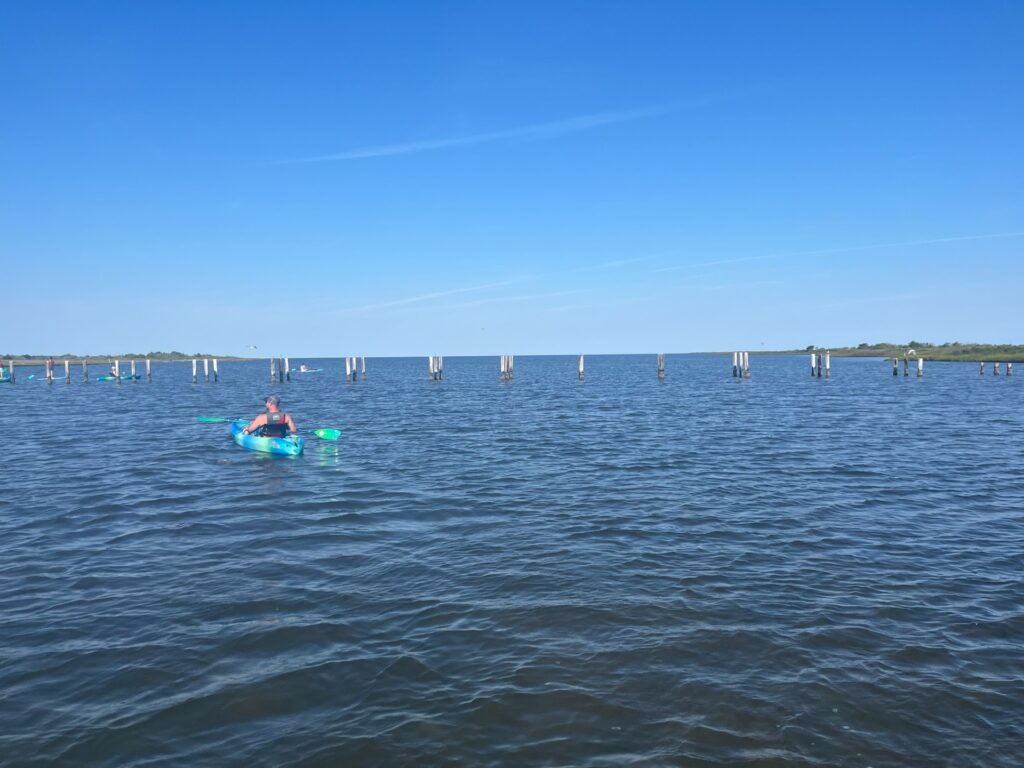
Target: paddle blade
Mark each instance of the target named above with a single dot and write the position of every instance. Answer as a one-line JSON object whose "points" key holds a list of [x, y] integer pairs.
{"points": [[212, 420], [327, 434]]}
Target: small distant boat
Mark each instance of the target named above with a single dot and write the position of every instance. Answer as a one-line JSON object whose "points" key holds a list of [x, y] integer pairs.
{"points": [[304, 369]]}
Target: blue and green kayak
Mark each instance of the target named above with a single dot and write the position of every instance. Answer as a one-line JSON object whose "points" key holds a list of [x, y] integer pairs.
{"points": [[123, 377], [279, 446]]}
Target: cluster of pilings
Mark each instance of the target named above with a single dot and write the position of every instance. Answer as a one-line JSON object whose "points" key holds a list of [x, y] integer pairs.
{"points": [[351, 368], [507, 367], [206, 370], [435, 367], [906, 366], [819, 361], [995, 369], [50, 371], [741, 365]]}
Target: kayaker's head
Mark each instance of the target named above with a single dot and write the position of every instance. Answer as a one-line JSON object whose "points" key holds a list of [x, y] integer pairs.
{"points": [[272, 402]]}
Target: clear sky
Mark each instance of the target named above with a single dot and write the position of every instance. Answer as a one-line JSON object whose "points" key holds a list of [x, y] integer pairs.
{"points": [[328, 178]]}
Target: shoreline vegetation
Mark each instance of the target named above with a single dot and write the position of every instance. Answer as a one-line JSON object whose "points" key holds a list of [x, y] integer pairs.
{"points": [[948, 352], [159, 357], [952, 351]]}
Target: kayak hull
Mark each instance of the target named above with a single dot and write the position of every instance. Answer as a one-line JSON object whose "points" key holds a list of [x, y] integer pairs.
{"points": [[308, 370], [277, 446], [128, 377]]}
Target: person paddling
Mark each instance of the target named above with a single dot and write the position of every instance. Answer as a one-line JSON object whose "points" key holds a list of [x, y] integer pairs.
{"points": [[273, 423]]}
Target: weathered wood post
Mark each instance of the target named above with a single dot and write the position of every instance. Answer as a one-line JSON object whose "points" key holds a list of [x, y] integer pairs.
{"points": [[814, 363], [287, 370], [661, 366], [895, 366], [430, 367], [995, 369], [282, 364], [580, 366], [746, 365], [216, 373], [149, 371], [982, 370], [362, 365], [133, 370], [906, 366], [1009, 369], [828, 363], [206, 370], [10, 370], [85, 371], [501, 368], [67, 371], [49, 372], [736, 364], [195, 377], [117, 370], [920, 367]]}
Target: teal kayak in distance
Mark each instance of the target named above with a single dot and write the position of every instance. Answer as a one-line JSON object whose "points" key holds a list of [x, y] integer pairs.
{"points": [[124, 377], [278, 446]]}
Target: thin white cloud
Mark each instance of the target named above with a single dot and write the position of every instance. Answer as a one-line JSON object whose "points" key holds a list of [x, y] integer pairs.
{"points": [[611, 264], [538, 131], [522, 297], [846, 249], [429, 296]]}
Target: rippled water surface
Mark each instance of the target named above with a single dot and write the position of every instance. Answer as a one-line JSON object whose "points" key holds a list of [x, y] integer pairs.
{"points": [[704, 571]]}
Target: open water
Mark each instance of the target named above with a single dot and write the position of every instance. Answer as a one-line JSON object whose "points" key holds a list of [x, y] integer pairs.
{"points": [[701, 572]]}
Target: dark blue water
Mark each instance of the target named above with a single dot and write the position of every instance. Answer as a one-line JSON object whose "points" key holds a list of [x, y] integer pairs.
{"points": [[699, 572]]}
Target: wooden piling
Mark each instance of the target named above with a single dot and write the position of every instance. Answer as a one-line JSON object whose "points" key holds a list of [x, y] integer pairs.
{"points": [[195, 377], [67, 371], [906, 366], [1009, 369], [49, 372], [814, 364], [920, 367], [736, 364], [10, 371], [580, 366], [133, 370], [85, 371], [216, 373], [981, 372], [282, 364], [995, 369], [746, 364], [828, 363], [895, 366], [287, 370], [661, 366], [149, 371], [362, 365], [348, 369], [273, 370], [206, 370]]}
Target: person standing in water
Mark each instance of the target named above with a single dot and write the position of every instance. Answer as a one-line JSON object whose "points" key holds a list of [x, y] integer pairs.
{"points": [[273, 423]]}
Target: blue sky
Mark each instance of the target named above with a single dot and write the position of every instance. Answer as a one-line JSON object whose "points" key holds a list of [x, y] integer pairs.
{"points": [[483, 178]]}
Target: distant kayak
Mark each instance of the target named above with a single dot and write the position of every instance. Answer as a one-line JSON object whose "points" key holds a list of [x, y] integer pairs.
{"points": [[123, 377], [307, 370], [279, 446]]}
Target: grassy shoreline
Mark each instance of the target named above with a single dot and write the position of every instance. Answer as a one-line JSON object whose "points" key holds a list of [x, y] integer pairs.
{"points": [[951, 352], [109, 359]]}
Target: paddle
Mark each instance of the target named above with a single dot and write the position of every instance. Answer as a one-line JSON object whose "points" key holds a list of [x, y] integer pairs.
{"points": [[324, 433]]}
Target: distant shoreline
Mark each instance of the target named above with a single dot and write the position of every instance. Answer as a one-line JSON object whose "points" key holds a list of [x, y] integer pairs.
{"points": [[109, 359], [951, 352]]}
